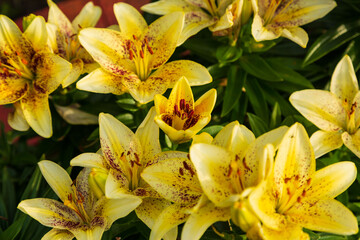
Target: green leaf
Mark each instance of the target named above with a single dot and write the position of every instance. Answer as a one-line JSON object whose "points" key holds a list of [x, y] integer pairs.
{"points": [[235, 82], [258, 67], [8, 191], [331, 41], [289, 75], [212, 130], [11, 232], [227, 54], [257, 99], [258, 126], [218, 70], [275, 119], [203, 47]]}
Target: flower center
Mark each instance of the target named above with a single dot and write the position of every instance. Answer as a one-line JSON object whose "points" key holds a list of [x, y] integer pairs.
{"points": [[275, 8], [76, 201], [139, 52], [182, 117], [18, 66], [72, 47], [351, 121], [235, 174]]}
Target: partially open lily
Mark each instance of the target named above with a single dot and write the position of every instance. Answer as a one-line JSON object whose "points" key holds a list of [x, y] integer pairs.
{"points": [[133, 60], [234, 161], [64, 38], [28, 74], [295, 196], [283, 18], [336, 113], [81, 214], [179, 117], [124, 155], [218, 15]]}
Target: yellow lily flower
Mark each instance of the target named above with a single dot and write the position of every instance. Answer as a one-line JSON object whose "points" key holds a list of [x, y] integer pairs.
{"points": [[218, 15], [123, 156], [296, 196], [178, 116], [81, 214], [128, 58], [64, 38], [28, 74], [280, 18], [336, 113]]}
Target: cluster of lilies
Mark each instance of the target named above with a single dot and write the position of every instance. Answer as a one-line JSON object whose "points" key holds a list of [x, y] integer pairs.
{"points": [[268, 186]]}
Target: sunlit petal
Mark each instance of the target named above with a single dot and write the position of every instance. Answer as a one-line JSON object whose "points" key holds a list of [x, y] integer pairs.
{"points": [[174, 179], [36, 111], [88, 17], [206, 103], [320, 107], [324, 142], [131, 22], [117, 185], [100, 81], [36, 32], [50, 213], [108, 48], [203, 137], [326, 215], [169, 218], [57, 178], [17, 119], [352, 142], [57, 234], [89, 160], [77, 69], [343, 82], [94, 232], [297, 35], [181, 90], [12, 88], [330, 181], [212, 165], [201, 220], [57, 17]]}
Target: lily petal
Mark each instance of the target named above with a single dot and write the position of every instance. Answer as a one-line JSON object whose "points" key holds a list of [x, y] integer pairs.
{"points": [[57, 234], [212, 166], [36, 32], [50, 213], [57, 178], [51, 70], [169, 218], [201, 220], [181, 90], [324, 142], [12, 88], [297, 35], [225, 21], [73, 115], [163, 35], [36, 111], [343, 82], [257, 157], [149, 210], [57, 17], [108, 48], [148, 134], [131, 22], [166, 77], [116, 140], [89, 160], [77, 69], [352, 142], [330, 181], [290, 231], [163, 7], [117, 185], [294, 165], [203, 137], [114, 209], [88, 233], [100, 81], [320, 107], [206, 103], [17, 119], [88, 17], [327, 215], [174, 179], [11, 39]]}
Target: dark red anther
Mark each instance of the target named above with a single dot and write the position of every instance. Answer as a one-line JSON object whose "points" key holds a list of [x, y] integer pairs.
{"points": [[23, 61], [229, 172], [182, 104], [183, 116], [150, 50], [245, 165], [18, 71], [131, 55], [141, 54], [176, 108], [303, 193], [286, 180], [134, 37], [181, 171], [137, 158], [128, 153], [191, 113], [187, 108], [122, 154], [17, 53], [298, 199], [132, 163], [186, 166], [128, 45]]}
